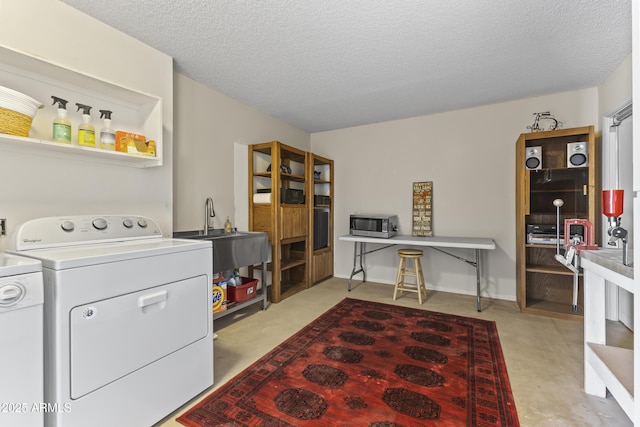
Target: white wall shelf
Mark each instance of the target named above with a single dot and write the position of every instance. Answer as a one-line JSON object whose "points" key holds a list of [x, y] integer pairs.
{"points": [[133, 111], [606, 366], [57, 149]]}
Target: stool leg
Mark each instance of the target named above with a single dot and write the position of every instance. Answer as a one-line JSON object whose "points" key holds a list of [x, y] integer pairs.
{"points": [[399, 277], [416, 266], [420, 280]]}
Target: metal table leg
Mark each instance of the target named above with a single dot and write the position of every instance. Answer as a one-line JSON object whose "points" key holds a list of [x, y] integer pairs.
{"points": [[475, 264], [478, 305], [355, 258], [265, 304]]}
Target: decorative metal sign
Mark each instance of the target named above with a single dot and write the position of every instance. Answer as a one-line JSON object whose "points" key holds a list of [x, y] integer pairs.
{"points": [[422, 194]]}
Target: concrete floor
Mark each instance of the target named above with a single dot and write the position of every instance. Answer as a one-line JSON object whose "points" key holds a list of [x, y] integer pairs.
{"points": [[544, 356]]}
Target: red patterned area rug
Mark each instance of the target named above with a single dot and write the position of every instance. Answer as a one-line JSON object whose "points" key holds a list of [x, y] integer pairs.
{"points": [[370, 364]]}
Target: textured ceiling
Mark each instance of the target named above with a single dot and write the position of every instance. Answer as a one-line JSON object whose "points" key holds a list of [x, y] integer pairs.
{"points": [[329, 64]]}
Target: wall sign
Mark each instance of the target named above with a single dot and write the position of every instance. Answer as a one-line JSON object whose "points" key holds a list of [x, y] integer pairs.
{"points": [[422, 194]]}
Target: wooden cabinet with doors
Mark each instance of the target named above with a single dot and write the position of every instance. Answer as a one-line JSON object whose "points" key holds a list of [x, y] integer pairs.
{"points": [[560, 164], [278, 176], [320, 202]]}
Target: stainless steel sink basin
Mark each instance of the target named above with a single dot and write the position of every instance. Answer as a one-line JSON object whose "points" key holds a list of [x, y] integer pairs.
{"points": [[215, 233], [232, 250]]}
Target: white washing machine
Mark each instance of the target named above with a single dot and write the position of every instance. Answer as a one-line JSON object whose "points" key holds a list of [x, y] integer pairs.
{"points": [[21, 351], [128, 321]]}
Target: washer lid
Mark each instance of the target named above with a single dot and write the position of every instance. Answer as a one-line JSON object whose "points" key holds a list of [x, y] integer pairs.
{"points": [[10, 265]]}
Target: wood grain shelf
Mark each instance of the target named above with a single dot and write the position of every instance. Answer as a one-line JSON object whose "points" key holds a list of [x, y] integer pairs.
{"points": [[550, 269], [552, 309]]}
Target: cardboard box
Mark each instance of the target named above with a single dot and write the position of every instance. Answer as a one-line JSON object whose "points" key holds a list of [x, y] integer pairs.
{"points": [[219, 297], [133, 143]]}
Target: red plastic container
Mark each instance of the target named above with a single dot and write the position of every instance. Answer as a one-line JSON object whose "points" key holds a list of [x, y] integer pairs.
{"points": [[243, 292], [612, 203]]}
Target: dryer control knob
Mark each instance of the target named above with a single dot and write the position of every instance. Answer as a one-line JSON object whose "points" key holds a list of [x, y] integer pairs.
{"points": [[142, 223], [11, 294], [99, 223], [67, 225], [127, 223]]}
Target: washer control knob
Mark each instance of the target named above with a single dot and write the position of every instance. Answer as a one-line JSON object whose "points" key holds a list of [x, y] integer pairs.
{"points": [[67, 225], [10, 294], [142, 223], [127, 223], [99, 223]]}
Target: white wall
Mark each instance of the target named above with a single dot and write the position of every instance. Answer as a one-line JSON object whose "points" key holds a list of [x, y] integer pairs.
{"points": [[470, 157], [212, 132], [617, 158], [615, 91], [37, 185]]}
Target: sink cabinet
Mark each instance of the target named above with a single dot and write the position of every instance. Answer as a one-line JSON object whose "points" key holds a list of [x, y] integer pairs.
{"points": [[233, 251]]}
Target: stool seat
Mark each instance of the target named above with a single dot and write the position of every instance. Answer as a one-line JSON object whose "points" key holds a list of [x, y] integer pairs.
{"points": [[410, 252], [404, 272]]}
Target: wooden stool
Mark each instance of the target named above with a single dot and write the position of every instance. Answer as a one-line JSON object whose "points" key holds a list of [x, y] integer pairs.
{"points": [[403, 271]]}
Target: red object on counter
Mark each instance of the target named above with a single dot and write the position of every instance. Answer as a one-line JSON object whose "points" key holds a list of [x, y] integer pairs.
{"points": [[588, 240], [612, 203]]}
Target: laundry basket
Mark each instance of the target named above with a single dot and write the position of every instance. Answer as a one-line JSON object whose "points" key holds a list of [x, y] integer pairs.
{"points": [[16, 112]]}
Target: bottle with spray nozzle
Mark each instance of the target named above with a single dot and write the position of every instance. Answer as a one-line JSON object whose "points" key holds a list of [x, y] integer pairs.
{"points": [[61, 125], [86, 131], [107, 134]]}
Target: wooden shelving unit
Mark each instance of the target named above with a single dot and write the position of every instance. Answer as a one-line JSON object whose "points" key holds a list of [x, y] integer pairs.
{"points": [[320, 202], [276, 166], [544, 286], [299, 257]]}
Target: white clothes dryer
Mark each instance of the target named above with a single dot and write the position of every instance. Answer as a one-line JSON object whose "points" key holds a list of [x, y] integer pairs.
{"points": [[129, 333], [21, 352]]}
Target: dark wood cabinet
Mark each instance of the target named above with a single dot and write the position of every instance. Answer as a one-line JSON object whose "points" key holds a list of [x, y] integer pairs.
{"points": [[544, 286]]}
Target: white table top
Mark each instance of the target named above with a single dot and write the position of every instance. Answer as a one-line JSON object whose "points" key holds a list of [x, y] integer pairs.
{"points": [[443, 242]]}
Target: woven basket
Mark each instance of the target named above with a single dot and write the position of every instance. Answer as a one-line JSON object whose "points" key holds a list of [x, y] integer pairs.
{"points": [[14, 123], [16, 112]]}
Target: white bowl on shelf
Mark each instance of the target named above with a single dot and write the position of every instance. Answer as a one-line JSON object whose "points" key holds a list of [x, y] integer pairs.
{"points": [[18, 102]]}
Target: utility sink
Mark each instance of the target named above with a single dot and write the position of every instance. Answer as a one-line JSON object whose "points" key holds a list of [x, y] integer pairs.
{"points": [[215, 233], [232, 250]]}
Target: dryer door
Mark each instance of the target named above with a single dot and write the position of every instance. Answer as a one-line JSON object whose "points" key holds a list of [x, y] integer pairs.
{"points": [[116, 336]]}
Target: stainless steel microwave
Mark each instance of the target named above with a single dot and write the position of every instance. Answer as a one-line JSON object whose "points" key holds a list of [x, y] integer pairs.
{"points": [[376, 225]]}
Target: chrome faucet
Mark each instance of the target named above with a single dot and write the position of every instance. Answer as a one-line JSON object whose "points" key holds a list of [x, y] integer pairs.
{"points": [[209, 212]]}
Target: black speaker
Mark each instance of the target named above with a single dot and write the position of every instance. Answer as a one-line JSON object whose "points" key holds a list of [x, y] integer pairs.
{"points": [[533, 157], [577, 155]]}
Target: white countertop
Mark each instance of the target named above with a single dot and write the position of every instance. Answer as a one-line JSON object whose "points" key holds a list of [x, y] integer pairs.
{"points": [[443, 242], [610, 259]]}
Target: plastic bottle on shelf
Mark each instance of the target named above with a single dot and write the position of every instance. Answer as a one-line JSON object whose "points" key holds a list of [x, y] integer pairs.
{"points": [[107, 134], [61, 125], [227, 226], [232, 281], [86, 131]]}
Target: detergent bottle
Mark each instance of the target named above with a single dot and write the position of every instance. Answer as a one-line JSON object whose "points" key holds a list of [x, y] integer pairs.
{"points": [[61, 125], [86, 131], [107, 134]]}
